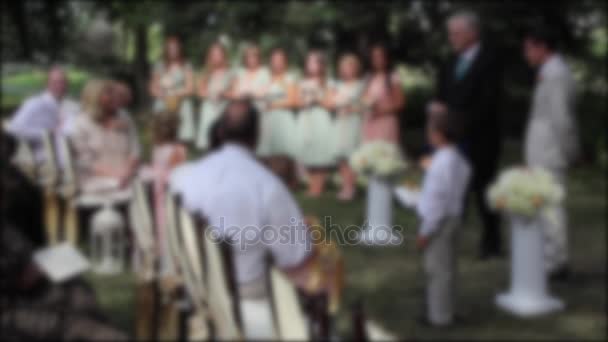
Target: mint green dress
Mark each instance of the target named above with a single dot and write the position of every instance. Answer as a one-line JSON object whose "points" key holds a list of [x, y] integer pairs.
{"points": [[278, 125], [314, 127], [171, 81], [347, 124], [212, 106], [254, 86]]}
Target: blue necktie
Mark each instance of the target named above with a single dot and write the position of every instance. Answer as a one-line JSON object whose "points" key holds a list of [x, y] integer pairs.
{"points": [[461, 68]]}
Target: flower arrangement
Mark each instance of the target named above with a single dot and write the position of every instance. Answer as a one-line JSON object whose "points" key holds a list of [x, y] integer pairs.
{"points": [[525, 191], [379, 159]]}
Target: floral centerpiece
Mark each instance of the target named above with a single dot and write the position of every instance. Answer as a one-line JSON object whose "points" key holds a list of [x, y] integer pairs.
{"points": [[525, 191], [378, 159]]}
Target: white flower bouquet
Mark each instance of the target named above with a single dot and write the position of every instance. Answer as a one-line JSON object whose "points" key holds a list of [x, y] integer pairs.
{"points": [[525, 191], [378, 159]]}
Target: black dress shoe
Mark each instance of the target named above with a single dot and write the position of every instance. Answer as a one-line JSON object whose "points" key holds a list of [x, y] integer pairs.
{"points": [[561, 274]]}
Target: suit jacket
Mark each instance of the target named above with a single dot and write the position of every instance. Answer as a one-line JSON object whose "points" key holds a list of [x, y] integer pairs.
{"points": [[552, 135], [475, 97]]}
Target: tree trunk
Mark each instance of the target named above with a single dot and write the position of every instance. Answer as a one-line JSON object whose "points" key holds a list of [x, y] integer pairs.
{"points": [[17, 13], [54, 26], [141, 65]]}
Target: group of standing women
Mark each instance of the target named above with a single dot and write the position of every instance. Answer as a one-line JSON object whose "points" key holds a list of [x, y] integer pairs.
{"points": [[314, 119]]}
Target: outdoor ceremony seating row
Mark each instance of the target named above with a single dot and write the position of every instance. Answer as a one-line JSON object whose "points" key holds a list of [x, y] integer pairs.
{"points": [[207, 279]]}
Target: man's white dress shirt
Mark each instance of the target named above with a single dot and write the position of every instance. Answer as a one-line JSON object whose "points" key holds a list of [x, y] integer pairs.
{"points": [[470, 53], [242, 199], [38, 114], [443, 189]]}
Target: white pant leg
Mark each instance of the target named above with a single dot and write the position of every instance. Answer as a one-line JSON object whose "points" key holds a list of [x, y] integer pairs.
{"points": [[440, 268], [555, 231]]}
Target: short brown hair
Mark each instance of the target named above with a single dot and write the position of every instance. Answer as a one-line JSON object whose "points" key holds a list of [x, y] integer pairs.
{"points": [[447, 123]]}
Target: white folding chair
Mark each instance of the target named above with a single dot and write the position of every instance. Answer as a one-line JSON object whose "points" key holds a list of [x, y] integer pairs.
{"points": [[290, 320], [221, 305], [182, 257], [69, 190], [49, 170], [49, 176], [143, 231], [192, 247]]}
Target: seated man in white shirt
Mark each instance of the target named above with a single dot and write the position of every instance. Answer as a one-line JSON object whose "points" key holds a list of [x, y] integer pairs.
{"points": [[245, 201], [43, 112], [440, 210]]}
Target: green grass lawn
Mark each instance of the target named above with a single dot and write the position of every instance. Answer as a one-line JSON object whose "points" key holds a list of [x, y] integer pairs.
{"points": [[388, 279]]}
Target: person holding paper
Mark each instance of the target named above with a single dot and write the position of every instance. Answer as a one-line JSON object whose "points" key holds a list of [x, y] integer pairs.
{"points": [[440, 209]]}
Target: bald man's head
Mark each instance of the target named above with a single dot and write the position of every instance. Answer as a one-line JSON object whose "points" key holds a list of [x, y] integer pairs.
{"points": [[239, 124], [57, 82]]}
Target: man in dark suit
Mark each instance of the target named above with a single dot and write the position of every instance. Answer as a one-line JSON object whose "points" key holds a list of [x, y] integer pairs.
{"points": [[470, 84]]}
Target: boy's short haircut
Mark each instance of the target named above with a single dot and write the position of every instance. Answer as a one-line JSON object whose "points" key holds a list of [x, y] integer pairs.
{"points": [[447, 123]]}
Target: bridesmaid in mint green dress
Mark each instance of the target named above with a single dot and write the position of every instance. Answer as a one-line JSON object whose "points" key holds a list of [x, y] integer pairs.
{"points": [[278, 116], [251, 82], [213, 87], [172, 86], [346, 101], [315, 124]]}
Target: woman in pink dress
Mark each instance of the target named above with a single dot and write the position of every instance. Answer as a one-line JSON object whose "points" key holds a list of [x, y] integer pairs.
{"points": [[384, 99]]}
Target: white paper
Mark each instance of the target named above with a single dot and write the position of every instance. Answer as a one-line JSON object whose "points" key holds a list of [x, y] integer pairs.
{"points": [[61, 262], [408, 197]]}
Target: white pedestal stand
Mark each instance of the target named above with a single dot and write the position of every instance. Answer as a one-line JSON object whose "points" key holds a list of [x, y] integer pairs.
{"points": [[528, 294], [378, 228]]}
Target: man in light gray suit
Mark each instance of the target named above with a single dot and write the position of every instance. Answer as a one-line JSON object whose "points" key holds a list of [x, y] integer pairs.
{"points": [[551, 137]]}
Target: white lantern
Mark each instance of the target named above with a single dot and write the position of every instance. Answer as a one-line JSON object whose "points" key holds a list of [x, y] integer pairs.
{"points": [[528, 295], [107, 241]]}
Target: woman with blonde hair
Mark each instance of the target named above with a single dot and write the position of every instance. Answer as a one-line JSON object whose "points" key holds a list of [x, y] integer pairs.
{"points": [[105, 141], [89, 91], [213, 89], [345, 101], [172, 85]]}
